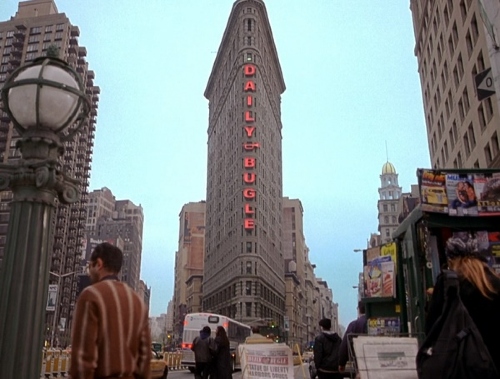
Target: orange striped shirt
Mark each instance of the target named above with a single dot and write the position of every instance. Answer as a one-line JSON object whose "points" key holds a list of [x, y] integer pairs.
{"points": [[110, 335]]}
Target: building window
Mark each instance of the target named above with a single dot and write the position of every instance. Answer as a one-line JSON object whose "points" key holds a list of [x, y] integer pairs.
{"points": [[36, 30], [248, 309], [480, 115], [248, 247], [249, 267], [472, 137], [249, 57], [59, 27], [466, 144], [494, 144], [385, 207], [48, 29], [248, 288], [489, 109], [487, 154], [468, 42]]}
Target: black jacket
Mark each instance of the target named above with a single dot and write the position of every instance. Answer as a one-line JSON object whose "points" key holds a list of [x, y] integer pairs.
{"points": [[326, 351], [485, 312], [222, 361]]}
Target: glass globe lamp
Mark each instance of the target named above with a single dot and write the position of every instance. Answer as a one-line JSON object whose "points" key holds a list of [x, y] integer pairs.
{"points": [[45, 95]]}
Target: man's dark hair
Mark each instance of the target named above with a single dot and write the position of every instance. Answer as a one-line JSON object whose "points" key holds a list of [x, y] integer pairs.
{"points": [[325, 323], [111, 256], [361, 307]]}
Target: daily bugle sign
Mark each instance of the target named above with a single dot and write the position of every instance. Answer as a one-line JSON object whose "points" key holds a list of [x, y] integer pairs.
{"points": [[250, 146]]}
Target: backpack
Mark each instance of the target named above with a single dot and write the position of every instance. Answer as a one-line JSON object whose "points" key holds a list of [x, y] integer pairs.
{"points": [[454, 348]]}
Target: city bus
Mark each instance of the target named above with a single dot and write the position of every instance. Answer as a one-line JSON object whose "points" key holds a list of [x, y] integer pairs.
{"points": [[194, 322]]}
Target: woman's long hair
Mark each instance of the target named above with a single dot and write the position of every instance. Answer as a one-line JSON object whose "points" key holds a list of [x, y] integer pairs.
{"points": [[475, 271], [221, 333]]}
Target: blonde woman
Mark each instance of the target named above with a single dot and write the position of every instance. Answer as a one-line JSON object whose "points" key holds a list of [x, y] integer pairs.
{"points": [[479, 291]]}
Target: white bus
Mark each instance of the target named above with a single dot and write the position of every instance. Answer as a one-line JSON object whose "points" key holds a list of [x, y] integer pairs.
{"points": [[194, 322]]}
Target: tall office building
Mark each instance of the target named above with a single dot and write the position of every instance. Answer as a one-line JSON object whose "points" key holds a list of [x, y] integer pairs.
{"points": [[124, 229], [36, 25], [451, 50], [389, 194], [101, 203], [189, 262], [243, 241]]}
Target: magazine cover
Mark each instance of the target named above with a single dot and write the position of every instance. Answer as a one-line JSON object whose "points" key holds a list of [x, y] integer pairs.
{"points": [[373, 276], [383, 326], [388, 287], [433, 192], [462, 200], [389, 249], [487, 187], [494, 241], [372, 253]]}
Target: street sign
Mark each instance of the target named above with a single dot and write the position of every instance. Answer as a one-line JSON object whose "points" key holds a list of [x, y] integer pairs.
{"points": [[484, 84], [286, 323]]}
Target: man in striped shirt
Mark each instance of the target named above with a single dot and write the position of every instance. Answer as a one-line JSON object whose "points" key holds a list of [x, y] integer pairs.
{"points": [[110, 336]]}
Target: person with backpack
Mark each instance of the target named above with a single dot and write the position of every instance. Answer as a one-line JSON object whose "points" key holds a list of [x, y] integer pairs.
{"points": [[479, 292], [204, 349], [326, 351]]}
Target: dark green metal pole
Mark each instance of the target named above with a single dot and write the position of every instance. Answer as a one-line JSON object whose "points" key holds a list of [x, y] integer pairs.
{"points": [[23, 282], [36, 186]]}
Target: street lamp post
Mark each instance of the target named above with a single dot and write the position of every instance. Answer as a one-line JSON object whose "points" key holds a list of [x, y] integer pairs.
{"points": [[58, 302], [46, 102]]}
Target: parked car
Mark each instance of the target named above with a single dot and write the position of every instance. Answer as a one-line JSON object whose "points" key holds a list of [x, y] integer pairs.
{"points": [[159, 368]]}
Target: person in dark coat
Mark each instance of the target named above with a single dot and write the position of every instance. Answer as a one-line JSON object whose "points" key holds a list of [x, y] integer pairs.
{"points": [[479, 291], [203, 347], [326, 351], [358, 326], [222, 364]]}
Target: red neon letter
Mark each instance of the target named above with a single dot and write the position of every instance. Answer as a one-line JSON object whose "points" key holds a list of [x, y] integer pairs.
{"points": [[249, 193], [249, 130], [249, 86], [249, 162], [249, 223], [249, 100], [249, 117], [249, 70], [251, 145], [249, 210], [249, 177]]}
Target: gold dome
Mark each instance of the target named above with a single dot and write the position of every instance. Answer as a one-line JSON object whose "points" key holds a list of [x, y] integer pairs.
{"points": [[388, 168]]}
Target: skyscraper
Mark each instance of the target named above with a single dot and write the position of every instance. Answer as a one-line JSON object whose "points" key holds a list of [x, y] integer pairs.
{"points": [[119, 222], [451, 49], [243, 242], [189, 264], [36, 25]]}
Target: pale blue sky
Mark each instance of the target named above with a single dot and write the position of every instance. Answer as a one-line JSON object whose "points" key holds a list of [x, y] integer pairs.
{"points": [[352, 87]]}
